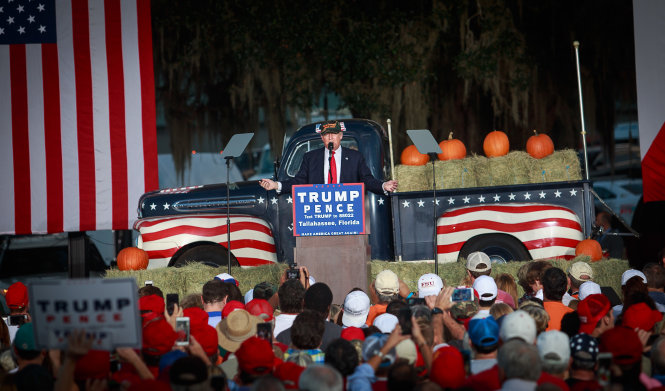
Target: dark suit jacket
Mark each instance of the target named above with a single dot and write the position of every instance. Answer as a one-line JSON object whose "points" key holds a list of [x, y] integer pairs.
{"points": [[354, 170]]}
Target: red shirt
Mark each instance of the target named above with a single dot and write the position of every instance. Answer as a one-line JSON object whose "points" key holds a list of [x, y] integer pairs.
{"points": [[489, 380]]}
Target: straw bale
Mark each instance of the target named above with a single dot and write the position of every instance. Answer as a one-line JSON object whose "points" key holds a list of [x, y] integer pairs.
{"points": [[560, 166], [511, 169], [453, 174], [413, 178]]}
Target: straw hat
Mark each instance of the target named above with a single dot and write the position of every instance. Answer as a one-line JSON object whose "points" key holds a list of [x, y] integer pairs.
{"points": [[236, 328]]}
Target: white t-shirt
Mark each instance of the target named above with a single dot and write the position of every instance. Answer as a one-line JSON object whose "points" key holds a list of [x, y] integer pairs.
{"points": [[283, 322]]}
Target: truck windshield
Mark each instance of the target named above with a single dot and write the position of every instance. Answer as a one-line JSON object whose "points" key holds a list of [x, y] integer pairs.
{"points": [[295, 160]]}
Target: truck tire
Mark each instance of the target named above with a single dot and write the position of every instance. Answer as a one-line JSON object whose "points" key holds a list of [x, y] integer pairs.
{"points": [[210, 254], [500, 248]]}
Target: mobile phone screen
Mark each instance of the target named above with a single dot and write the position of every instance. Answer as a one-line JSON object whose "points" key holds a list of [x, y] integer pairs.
{"points": [[404, 318], [171, 299], [415, 301], [182, 330], [264, 331], [462, 294]]}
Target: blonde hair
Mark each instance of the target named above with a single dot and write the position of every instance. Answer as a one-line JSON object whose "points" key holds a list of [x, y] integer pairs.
{"points": [[538, 314], [498, 310], [506, 283]]}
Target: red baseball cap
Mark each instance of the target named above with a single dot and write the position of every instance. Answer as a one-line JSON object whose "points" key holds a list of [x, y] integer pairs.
{"points": [[289, 373], [232, 306], [206, 335], [197, 317], [623, 343], [158, 337], [641, 316], [152, 303], [448, 368], [351, 333], [94, 365], [591, 310], [255, 356], [17, 295], [260, 308]]}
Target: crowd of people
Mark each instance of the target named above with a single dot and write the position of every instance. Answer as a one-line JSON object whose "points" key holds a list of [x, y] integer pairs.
{"points": [[565, 333]]}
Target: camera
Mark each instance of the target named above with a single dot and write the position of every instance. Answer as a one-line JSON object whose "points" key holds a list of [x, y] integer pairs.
{"points": [[293, 273]]}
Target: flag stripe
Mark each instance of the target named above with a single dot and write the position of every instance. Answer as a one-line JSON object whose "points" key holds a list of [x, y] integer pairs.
{"points": [[52, 137], [20, 140], [84, 116], [504, 227], [6, 151], [116, 96], [35, 89], [147, 96]]}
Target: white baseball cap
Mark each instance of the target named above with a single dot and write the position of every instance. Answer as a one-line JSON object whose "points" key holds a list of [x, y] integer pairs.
{"points": [[429, 285], [553, 347], [386, 322], [386, 282], [486, 288], [630, 273], [478, 261], [588, 288], [520, 325], [356, 308]]}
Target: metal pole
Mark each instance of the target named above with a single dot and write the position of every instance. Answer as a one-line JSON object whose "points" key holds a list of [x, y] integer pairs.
{"points": [[576, 44], [436, 260], [390, 143], [228, 215]]}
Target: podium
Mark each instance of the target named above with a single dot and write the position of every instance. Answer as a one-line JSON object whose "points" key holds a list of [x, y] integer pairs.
{"points": [[341, 261]]}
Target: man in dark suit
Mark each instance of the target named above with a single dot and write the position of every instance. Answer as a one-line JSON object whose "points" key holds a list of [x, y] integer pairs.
{"points": [[332, 164]]}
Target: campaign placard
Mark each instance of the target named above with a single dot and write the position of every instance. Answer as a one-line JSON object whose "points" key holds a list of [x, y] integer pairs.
{"points": [[107, 309], [337, 209]]}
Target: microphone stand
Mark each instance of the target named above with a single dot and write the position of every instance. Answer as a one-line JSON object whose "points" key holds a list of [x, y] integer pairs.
{"points": [[330, 155]]}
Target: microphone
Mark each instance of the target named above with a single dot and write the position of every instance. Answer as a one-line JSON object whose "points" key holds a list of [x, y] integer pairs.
{"points": [[330, 155]]}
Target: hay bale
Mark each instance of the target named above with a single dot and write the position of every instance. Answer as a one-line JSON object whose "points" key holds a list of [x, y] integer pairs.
{"points": [[511, 169], [453, 174], [413, 178], [560, 166]]}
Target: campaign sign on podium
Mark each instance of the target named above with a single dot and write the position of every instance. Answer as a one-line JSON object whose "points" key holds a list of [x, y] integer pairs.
{"points": [[320, 210]]}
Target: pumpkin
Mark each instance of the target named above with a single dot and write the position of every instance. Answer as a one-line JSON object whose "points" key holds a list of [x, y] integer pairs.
{"points": [[132, 258], [539, 145], [411, 157], [589, 247], [452, 149], [496, 144]]}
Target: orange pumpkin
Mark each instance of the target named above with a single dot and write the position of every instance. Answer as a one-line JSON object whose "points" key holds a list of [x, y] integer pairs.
{"points": [[132, 258], [539, 145], [589, 247], [496, 144], [411, 157], [452, 149]]}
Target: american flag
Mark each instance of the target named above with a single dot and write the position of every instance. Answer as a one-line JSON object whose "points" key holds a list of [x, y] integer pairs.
{"points": [[77, 115]]}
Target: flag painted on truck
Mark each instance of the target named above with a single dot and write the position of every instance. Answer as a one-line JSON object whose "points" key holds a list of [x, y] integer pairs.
{"points": [[252, 240], [649, 22], [546, 231], [77, 114]]}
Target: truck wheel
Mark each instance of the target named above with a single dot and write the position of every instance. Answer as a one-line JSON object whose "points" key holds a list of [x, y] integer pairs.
{"points": [[207, 254], [499, 247]]}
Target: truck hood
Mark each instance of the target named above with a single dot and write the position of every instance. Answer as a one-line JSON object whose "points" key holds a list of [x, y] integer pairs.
{"points": [[244, 198]]}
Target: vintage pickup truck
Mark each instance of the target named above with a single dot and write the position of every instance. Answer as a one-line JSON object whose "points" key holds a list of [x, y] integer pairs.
{"points": [[517, 222]]}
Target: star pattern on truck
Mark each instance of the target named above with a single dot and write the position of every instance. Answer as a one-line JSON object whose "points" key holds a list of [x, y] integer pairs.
{"points": [[405, 203], [573, 193], [380, 200], [527, 196], [511, 196], [451, 201], [166, 205], [153, 206], [289, 200], [421, 203], [261, 199], [481, 198], [541, 194], [496, 197], [557, 194], [273, 201], [466, 199]]}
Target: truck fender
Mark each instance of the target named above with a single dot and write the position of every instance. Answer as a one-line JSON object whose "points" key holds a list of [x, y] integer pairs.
{"points": [[252, 239], [545, 231]]}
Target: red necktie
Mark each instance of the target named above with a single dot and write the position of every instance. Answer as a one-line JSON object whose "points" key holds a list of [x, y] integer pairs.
{"points": [[333, 169]]}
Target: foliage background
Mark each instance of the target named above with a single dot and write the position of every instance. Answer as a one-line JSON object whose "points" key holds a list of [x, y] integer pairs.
{"points": [[471, 66]]}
